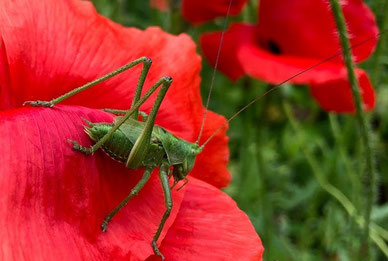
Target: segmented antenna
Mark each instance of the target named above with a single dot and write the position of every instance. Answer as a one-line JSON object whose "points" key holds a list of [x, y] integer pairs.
{"points": [[214, 71], [285, 81]]}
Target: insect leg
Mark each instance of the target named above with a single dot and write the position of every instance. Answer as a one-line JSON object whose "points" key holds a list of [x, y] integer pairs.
{"points": [[139, 86], [163, 175], [165, 82], [115, 111], [134, 191], [144, 116], [146, 65], [140, 148]]}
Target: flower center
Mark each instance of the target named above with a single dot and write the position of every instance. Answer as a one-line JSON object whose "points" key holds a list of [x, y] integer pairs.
{"points": [[271, 46]]}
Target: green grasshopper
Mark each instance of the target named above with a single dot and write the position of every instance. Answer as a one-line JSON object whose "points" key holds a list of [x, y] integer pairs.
{"points": [[138, 144]]}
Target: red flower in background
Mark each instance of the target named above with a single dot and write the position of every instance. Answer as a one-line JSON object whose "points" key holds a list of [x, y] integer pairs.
{"points": [[200, 11], [292, 36], [53, 198]]}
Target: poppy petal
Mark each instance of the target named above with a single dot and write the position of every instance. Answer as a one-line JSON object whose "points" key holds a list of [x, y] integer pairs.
{"points": [[213, 228], [47, 48], [234, 38], [54, 199], [306, 28], [336, 95], [199, 11]]}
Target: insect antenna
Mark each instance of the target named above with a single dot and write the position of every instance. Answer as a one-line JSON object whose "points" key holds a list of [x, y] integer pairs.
{"points": [[285, 81], [214, 71]]}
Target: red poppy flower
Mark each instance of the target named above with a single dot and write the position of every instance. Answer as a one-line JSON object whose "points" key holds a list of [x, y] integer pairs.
{"points": [[53, 198], [200, 11], [292, 36]]}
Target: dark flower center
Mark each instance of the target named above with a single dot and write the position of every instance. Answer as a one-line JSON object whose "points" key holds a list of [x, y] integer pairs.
{"points": [[271, 46]]}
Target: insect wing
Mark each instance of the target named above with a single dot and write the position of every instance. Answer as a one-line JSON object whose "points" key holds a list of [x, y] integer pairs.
{"points": [[131, 128]]}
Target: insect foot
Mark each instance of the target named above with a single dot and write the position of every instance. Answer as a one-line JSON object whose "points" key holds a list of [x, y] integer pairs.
{"points": [[47, 104], [168, 78], [104, 226], [77, 146], [156, 250]]}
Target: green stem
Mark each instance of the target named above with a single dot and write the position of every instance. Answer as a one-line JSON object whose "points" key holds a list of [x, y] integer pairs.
{"points": [[381, 45], [370, 175]]}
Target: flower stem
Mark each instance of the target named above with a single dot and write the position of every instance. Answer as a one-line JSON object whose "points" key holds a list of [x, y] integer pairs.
{"points": [[370, 175], [381, 45]]}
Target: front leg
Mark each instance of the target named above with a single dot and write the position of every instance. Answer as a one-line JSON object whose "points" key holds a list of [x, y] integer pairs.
{"points": [[47, 104], [84, 150]]}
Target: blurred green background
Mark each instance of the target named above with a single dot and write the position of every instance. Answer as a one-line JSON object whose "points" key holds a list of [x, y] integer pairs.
{"points": [[285, 150]]}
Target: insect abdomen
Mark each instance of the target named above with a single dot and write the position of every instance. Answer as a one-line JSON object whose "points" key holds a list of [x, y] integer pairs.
{"points": [[118, 146]]}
